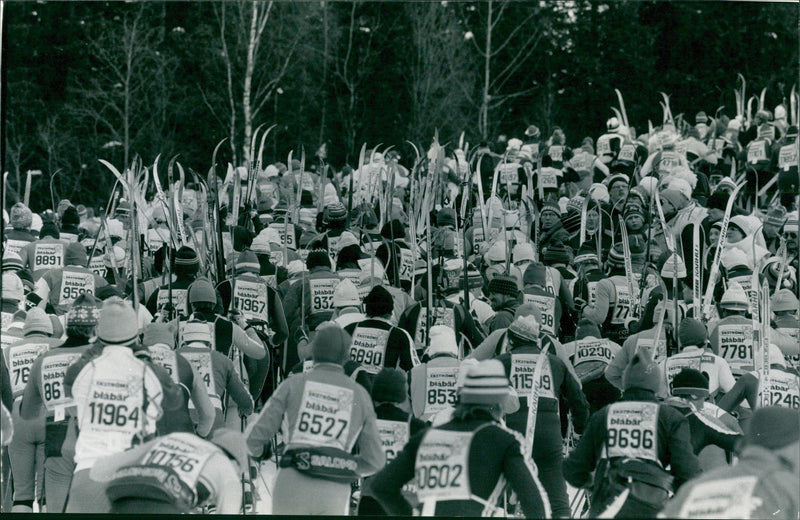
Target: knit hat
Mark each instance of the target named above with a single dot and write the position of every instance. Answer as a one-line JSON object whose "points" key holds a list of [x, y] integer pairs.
{"points": [[496, 253], [378, 302], [734, 298], [346, 295], [247, 262], [75, 254], [336, 212], [389, 386], [690, 382], [21, 216], [331, 344], [84, 311], [503, 284], [682, 186], [318, 258], [201, 291], [70, 218], [672, 265], [446, 217], [37, 321], [12, 262], [523, 252], [618, 177], [295, 268], [792, 222], [692, 332], [524, 329], [701, 117], [551, 205], [776, 215], [118, 323], [12, 287], [535, 274], [776, 356], [557, 253], [159, 334], [586, 328], [186, 261], [616, 256], [49, 229], [783, 300], [642, 373], [443, 341], [486, 383], [195, 331], [733, 257], [774, 427], [586, 253], [106, 292]]}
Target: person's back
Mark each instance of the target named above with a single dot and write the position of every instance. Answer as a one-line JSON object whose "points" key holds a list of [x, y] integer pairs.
{"points": [[433, 384], [762, 484]]}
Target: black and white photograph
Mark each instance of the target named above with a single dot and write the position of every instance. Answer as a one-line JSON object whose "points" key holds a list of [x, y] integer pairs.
{"points": [[454, 258]]}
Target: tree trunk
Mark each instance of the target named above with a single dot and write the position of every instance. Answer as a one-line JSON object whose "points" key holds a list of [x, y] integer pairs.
{"points": [[247, 109], [483, 123], [325, 47]]}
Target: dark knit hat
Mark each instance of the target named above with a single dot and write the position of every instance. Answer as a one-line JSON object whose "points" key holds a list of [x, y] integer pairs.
{"points": [[49, 229], [107, 291], [75, 254], [774, 427], [690, 382], [202, 291], [393, 230], [586, 328], [390, 386], [776, 215], [642, 372], [586, 253], [551, 205], [503, 284], [557, 253], [186, 261], [84, 311], [692, 332], [616, 256], [717, 200], [247, 262], [446, 217], [535, 274], [318, 258], [70, 217], [336, 212], [378, 302]]}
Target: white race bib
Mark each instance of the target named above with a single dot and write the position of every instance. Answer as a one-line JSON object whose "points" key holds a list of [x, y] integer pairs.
{"points": [[73, 284], [286, 233], [627, 153], [632, 432], [757, 151], [406, 264], [736, 346], [521, 375], [20, 359], [321, 292], [178, 299], [48, 256], [783, 388], [441, 466], [166, 358], [201, 362], [622, 307], [727, 498], [97, 265], [587, 350], [556, 153], [547, 304], [250, 299], [394, 436], [14, 246], [324, 417], [441, 316], [787, 157], [54, 368], [185, 453], [440, 389], [603, 146], [368, 348]]}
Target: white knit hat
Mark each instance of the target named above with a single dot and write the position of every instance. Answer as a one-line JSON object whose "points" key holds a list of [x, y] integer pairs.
{"points": [[681, 185], [733, 256], [12, 287], [443, 341], [118, 323], [734, 298], [346, 295], [674, 264], [523, 251], [195, 331], [486, 383]]}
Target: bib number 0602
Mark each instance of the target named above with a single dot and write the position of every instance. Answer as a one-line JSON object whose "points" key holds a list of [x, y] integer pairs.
{"points": [[439, 476]]}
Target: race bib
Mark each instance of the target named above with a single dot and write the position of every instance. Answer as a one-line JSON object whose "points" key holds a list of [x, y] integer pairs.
{"points": [[548, 180], [757, 151], [54, 368], [324, 416], [369, 348], [787, 157], [736, 346], [440, 389], [441, 316], [441, 467], [7, 319], [184, 453], [114, 415], [321, 291], [521, 375], [627, 153], [406, 264], [477, 239], [201, 362], [178, 300], [394, 435], [508, 173], [658, 353], [622, 308], [73, 284], [250, 299], [166, 358], [681, 148], [783, 388], [48, 256], [352, 275], [20, 359], [556, 153], [286, 233], [547, 304], [14, 246], [581, 161], [727, 498], [592, 350], [97, 265], [603, 146], [669, 160], [270, 279], [631, 430]]}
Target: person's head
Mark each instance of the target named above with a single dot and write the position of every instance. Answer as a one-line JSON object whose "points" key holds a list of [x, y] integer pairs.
{"points": [[672, 201], [318, 258], [75, 254], [379, 302], [550, 215], [586, 258], [247, 262], [535, 275], [523, 255], [37, 322], [186, 263], [443, 342], [524, 332], [159, 334], [346, 295], [790, 231], [503, 289], [618, 187], [592, 219], [195, 333], [777, 429], [83, 316], [13, 290], [201, 296], [118, 324], [634, 218], [587, 329], [642, 373], [734, 300], [486, 386], [784, 302], [776, 217], [331, 344], [692, 333], [21, 217], [390, 386], [691, 385]]}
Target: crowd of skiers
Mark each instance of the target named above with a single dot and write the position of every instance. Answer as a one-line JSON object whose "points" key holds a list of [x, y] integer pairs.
{"points": [[524, 328]]}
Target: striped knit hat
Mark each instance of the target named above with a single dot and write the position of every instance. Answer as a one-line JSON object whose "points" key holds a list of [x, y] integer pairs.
{"points": [[586, 253], [486, 383], [186, 260], [247, 262], [503, 284]]}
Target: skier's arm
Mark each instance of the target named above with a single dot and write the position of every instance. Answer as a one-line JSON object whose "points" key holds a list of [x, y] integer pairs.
{"points": [[237, 390], [260, 431], [523, 480], [247, 342]]}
